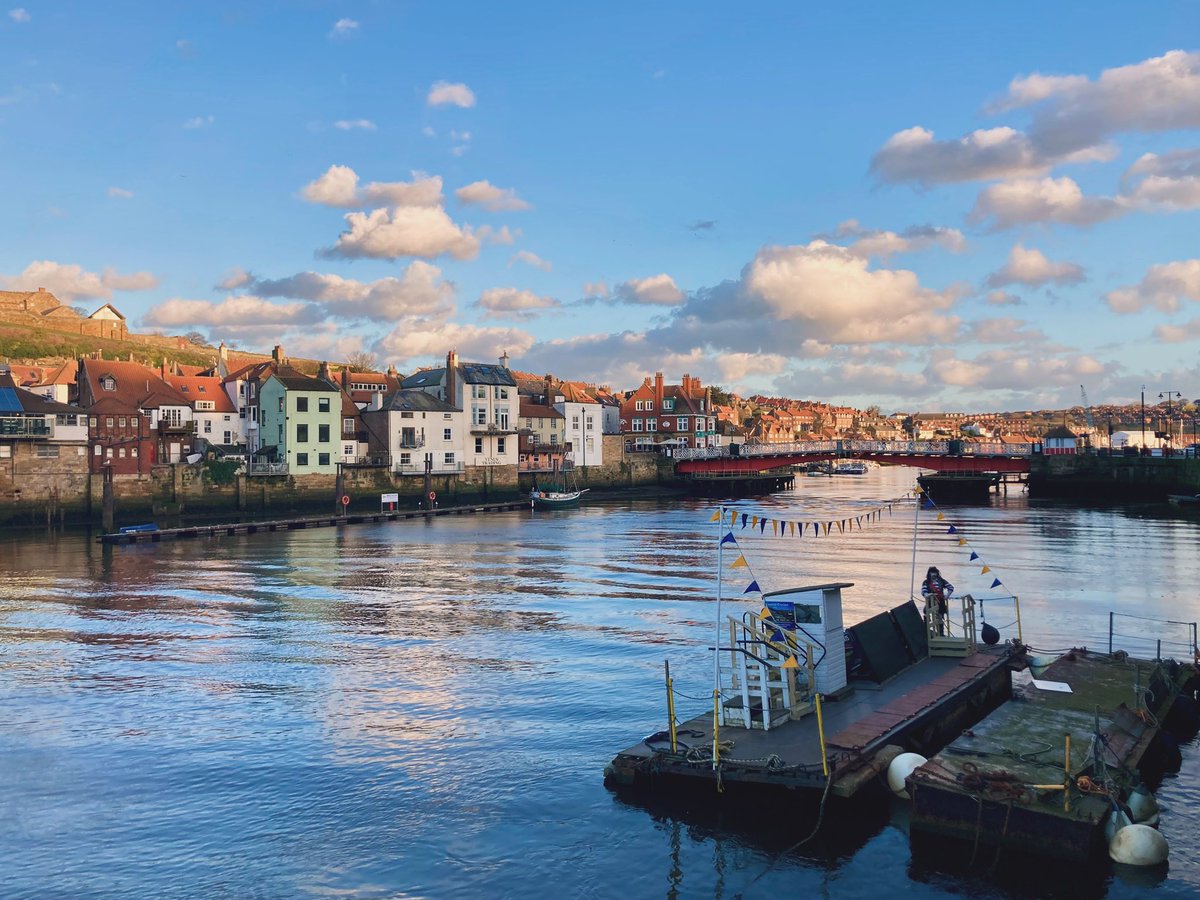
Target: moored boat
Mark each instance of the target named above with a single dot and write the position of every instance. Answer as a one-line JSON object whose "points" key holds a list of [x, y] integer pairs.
{"points": [[555, 499]]}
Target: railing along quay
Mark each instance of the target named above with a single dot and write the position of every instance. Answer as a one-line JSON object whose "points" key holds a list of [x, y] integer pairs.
{"points": [[928, 448], [299, 524]]}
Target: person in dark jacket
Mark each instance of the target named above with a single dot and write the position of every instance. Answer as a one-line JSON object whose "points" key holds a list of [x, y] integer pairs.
{"points": [[937, 591]]}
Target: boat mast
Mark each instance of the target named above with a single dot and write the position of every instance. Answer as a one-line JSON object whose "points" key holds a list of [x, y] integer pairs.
{"points": [[912, 586], [720, 574]]}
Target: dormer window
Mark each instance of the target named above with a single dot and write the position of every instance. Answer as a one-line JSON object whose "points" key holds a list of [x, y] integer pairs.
{"points": [[108, 383]]}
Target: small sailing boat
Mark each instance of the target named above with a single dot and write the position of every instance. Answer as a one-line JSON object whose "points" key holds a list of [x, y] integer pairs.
{"points": [[562, 493]]}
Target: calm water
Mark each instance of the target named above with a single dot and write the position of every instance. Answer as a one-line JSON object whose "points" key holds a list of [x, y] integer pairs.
{"points": [[425, 709]]}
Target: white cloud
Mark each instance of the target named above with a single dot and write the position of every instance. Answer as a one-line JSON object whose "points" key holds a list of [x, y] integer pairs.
{"points": [[20, 15], [1011, 370], [235, 278], [404, 231], [343, 28], [884, 244], [531, 259], [419, 291], [352, 124], [410, 341], [338, 187], [1072, 119], [833, 294], [1002, 331], [1163, 287], [512, 303], [118, 193], [1003, 298], [232, 311], [1030, 267], [72, 282], [915, 155], [501, 235], [735, 367], [656, 290], [443, 93], [596, 289], [199, 122], [1169, 182], [1030, 201], [490, 197], [1178, 334]]}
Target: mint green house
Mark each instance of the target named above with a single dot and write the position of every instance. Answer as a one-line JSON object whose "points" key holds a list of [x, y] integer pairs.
{"points": [[299, 425]]}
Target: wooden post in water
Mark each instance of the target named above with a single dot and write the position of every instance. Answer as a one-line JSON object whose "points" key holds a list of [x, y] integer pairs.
{"points": [[428, 486], [108, 508], [1110, 631], [670, 704]]}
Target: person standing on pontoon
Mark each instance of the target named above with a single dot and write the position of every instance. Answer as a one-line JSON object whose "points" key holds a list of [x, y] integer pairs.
{"points": [[937, 590]]}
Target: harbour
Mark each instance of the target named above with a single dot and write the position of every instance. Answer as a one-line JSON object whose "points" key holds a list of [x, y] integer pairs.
{"points": [[354, 747]]}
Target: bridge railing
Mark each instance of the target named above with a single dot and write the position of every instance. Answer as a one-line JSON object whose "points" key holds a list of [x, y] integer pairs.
{"points": [[928, 448]]}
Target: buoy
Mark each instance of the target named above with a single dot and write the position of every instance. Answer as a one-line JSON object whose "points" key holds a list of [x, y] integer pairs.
{"points": [[1039, 663], [990, 634], [1143, 807], [1138, 845], [899, 769]]}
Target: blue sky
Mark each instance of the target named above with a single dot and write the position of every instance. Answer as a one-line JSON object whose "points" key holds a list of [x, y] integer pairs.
{"points": [[934, 206]]}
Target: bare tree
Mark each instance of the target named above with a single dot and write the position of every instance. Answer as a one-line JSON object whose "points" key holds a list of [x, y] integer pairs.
{"points": [[195, 337], [362, 361]]}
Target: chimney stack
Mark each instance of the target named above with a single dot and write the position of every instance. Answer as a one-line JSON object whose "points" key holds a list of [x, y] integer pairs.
{"points": [[658, 391], [504, 359], [223, 352], [452, 377], [323, 371], [277, 354], [346, 378]]}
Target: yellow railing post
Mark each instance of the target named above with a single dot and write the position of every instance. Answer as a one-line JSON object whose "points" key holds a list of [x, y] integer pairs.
{"points": [[670, 705], [821, 735], [1017, 603]]}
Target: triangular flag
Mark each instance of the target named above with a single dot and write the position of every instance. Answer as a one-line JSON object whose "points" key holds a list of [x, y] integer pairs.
{"points": [[754, 521], [974, 556], [774, 527], [778, 637], [764, 613], [928, 504], [984, 570], [791, 663], [729, 538], [739, 563], [753, 587], [962, 541], [744, 518], [732, 517], [828, 527], [716, 516], [941, 517], [842, 527], [793, 524], [918, 490], [762, 526], [996, 583], [951, 530]]}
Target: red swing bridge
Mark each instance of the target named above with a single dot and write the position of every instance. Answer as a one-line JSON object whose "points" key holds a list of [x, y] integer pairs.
{"points": [[986, 464]]}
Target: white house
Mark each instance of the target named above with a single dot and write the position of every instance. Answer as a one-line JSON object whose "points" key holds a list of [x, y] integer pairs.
{"points": [[488, 395], [216, 416], [583, 420], [416, 427]]}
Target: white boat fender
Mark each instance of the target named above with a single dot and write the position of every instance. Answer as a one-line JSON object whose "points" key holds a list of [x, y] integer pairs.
{"points": [[1039, 663], [1143, 808], [899, 769], [1138, 845]]}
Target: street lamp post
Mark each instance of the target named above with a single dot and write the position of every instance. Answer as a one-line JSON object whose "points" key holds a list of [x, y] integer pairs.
{"points": [[1143, 418], [1168, 395]]}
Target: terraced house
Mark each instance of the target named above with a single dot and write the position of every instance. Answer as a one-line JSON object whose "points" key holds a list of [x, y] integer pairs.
{"points": [[299, 425]]}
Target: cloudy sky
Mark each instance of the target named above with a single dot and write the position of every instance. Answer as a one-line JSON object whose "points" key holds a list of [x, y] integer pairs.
{"points": [[932, 206]]}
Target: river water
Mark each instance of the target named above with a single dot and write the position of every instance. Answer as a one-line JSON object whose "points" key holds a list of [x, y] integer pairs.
{"points": [[425, 709]]}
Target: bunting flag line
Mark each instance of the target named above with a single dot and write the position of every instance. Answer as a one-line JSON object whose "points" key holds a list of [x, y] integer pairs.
{"points": [[739, 563], [996, 583], [716, 516], [729, 538], [753, 587], [974, 556], [961, 540]]}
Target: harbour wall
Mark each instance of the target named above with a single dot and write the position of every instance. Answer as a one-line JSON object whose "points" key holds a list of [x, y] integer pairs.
{"points": [[1113, 478], [40, 493]]}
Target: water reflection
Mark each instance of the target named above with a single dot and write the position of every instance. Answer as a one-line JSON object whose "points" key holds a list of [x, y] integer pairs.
{"points": [[424, 708]]}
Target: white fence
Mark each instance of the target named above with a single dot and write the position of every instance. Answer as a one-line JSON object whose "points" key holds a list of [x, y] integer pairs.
{"points": [[853, 448]]}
